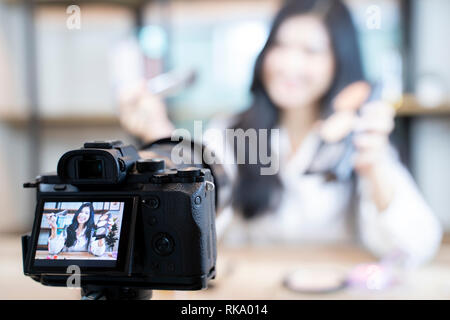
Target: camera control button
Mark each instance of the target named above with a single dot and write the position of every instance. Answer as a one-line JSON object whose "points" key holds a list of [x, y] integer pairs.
{"points": [[160, 178], [150, 165], [152, 203], [188, 172], [163, 244], [59, 187]]}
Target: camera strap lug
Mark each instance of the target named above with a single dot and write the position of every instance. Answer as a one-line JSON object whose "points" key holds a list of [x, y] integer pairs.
{"points": [[210, 186], [33, 184]]}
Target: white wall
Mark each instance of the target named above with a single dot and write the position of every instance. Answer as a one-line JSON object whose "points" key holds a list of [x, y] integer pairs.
{"points": [[430, 138], [73, 80], [432, 40], [431, 163], [74, 66], [15, 203]]}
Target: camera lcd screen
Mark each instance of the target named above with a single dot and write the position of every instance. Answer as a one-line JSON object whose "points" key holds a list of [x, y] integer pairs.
{"points": [[87, 234]]}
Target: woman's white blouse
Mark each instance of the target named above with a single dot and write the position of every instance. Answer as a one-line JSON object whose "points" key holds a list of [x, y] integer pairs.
{"points": [[313, 210], [56, 245]]}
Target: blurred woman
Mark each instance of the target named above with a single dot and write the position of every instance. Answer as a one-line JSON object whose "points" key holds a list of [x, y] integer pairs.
{"points": [[310, 56]]}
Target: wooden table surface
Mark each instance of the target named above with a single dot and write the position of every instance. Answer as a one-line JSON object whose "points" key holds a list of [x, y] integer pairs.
{"points": [[43, 254], [253, 273]]}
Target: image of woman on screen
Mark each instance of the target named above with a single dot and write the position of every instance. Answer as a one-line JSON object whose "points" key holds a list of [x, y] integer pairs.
{"points": [[78, 235]]}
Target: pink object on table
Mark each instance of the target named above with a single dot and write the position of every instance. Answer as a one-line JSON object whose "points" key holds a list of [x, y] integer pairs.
{"points": [[371, 276]]}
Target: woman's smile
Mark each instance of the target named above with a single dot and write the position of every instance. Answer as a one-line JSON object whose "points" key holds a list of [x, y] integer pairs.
{"points": [[83, 216]]}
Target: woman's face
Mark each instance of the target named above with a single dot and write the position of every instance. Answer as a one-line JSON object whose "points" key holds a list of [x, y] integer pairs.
{"points": [[84, 215], [299, 68]]}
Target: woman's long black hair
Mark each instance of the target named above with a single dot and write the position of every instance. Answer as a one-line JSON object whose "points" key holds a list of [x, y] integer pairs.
{"points": [[255, 193], [72, 229]]}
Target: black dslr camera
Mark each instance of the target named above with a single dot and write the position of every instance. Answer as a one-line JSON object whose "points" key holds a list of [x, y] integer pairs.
{"points": [[124, 221]]}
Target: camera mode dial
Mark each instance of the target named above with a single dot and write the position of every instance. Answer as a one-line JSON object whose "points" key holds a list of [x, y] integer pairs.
{"points": [[150, 165]]}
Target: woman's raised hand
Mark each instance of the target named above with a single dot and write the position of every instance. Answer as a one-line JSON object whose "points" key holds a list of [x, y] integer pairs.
{"points": [[372, 129], [143, 114], [371, 126], [51, 219]]}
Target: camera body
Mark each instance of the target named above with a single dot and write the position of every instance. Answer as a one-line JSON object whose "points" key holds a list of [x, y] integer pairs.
{"points": [[164, 235]]}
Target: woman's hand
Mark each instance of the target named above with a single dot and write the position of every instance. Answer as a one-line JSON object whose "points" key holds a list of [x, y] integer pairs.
{"points": [[110, 223], [51, 219], [143, 114], [372, 127], [371, 140]]}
